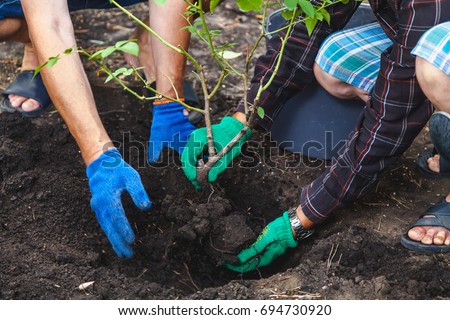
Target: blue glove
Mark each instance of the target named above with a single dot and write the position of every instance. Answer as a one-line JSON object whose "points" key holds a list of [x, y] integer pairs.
{"points": [[109, 176], [170, 128]]}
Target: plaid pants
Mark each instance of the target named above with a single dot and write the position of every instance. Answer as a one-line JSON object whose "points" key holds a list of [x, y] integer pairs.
{"points": [[395, 113], [353, 55]]}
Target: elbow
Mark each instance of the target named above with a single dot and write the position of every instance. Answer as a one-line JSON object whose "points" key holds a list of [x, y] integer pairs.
{"points": [[58, 29]]}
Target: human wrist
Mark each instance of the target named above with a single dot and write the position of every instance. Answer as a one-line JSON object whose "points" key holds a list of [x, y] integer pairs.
{"points": [[240, 116], [94, 153], [108, 159]]}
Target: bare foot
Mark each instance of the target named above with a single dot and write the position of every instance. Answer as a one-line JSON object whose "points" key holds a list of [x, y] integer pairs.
{"points": [[29, 63], [431, 235], [433, 163], [25, 103]]}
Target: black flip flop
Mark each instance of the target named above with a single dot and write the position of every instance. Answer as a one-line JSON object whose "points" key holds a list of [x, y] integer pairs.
{"points": [[444, 165], [29, 86], [440, 217], [440, 133]]}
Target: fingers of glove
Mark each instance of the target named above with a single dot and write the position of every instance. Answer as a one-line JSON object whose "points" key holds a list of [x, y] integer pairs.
{"points": [[244, 267], [191, 151], [223, 162], [155, 147], [117, 229], [265, 238], [264, 258], [247, 254], [270, 253], [197, 185], [137, 192], [180, 136]]}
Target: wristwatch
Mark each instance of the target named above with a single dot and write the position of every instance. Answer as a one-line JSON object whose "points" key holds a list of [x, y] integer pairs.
{"points": [[301, 233]]}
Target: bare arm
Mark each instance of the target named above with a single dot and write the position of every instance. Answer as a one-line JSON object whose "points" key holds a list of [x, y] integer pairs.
{"points": [[167, 20], [51, 33]]}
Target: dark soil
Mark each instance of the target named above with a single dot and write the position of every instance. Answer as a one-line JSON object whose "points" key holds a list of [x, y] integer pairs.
{"points": [[50, 241]]}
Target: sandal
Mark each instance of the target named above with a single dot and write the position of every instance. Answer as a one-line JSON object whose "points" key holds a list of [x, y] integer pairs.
{"points": [[444, 165], [440, 218], [29, 86], [440, 133]]}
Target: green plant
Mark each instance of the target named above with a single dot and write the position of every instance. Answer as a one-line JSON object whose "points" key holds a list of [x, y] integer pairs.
{"points": [[295, 11]]}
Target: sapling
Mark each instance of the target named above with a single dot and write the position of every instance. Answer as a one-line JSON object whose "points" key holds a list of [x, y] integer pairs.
{"points": [[294, 11]]}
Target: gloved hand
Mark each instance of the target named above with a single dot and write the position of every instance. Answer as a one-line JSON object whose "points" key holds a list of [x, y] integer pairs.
{"points": [[170, 128], [272, 242], [223, 133], [109, 176]]}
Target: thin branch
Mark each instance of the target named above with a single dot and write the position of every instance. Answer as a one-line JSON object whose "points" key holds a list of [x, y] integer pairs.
{"points": [[274, 72], [209, 134], [218, 84]]}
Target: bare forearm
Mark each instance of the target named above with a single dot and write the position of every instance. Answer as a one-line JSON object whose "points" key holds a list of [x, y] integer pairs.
{"points": [[66, 82]]}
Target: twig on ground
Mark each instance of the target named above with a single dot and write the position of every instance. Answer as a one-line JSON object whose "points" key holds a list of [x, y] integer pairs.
{"points": [[217, 249], [190, 277], [379, 223], [399, 201], [113, 111], [212, 192], [299, 295], [331, 256]]}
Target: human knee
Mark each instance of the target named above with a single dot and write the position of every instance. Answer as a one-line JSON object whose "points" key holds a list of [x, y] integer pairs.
{"points": [[333, 85], [13, 29], [427, 74], [433, 65]]}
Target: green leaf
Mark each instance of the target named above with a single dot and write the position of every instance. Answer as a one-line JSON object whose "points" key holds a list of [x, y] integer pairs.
{"points": [[213, 5], [225, 46], [307, 8], [52, 61], [310, 24], [68, 51], [110, 77], [130, 47], [191, 29], [287, 15], [325, 14], [107, 51], [261, 112], [39, 68], [123, 70], [103, 53], [318, 16], [290, 4], [250, 5], [215, 33]]}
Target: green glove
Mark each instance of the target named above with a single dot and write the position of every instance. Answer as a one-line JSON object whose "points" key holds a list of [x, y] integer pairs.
{"points": [[223, 133], [272, 242]]}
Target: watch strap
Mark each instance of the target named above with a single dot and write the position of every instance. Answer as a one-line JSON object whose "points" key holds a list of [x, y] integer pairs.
{"points": [[301, 233]]}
